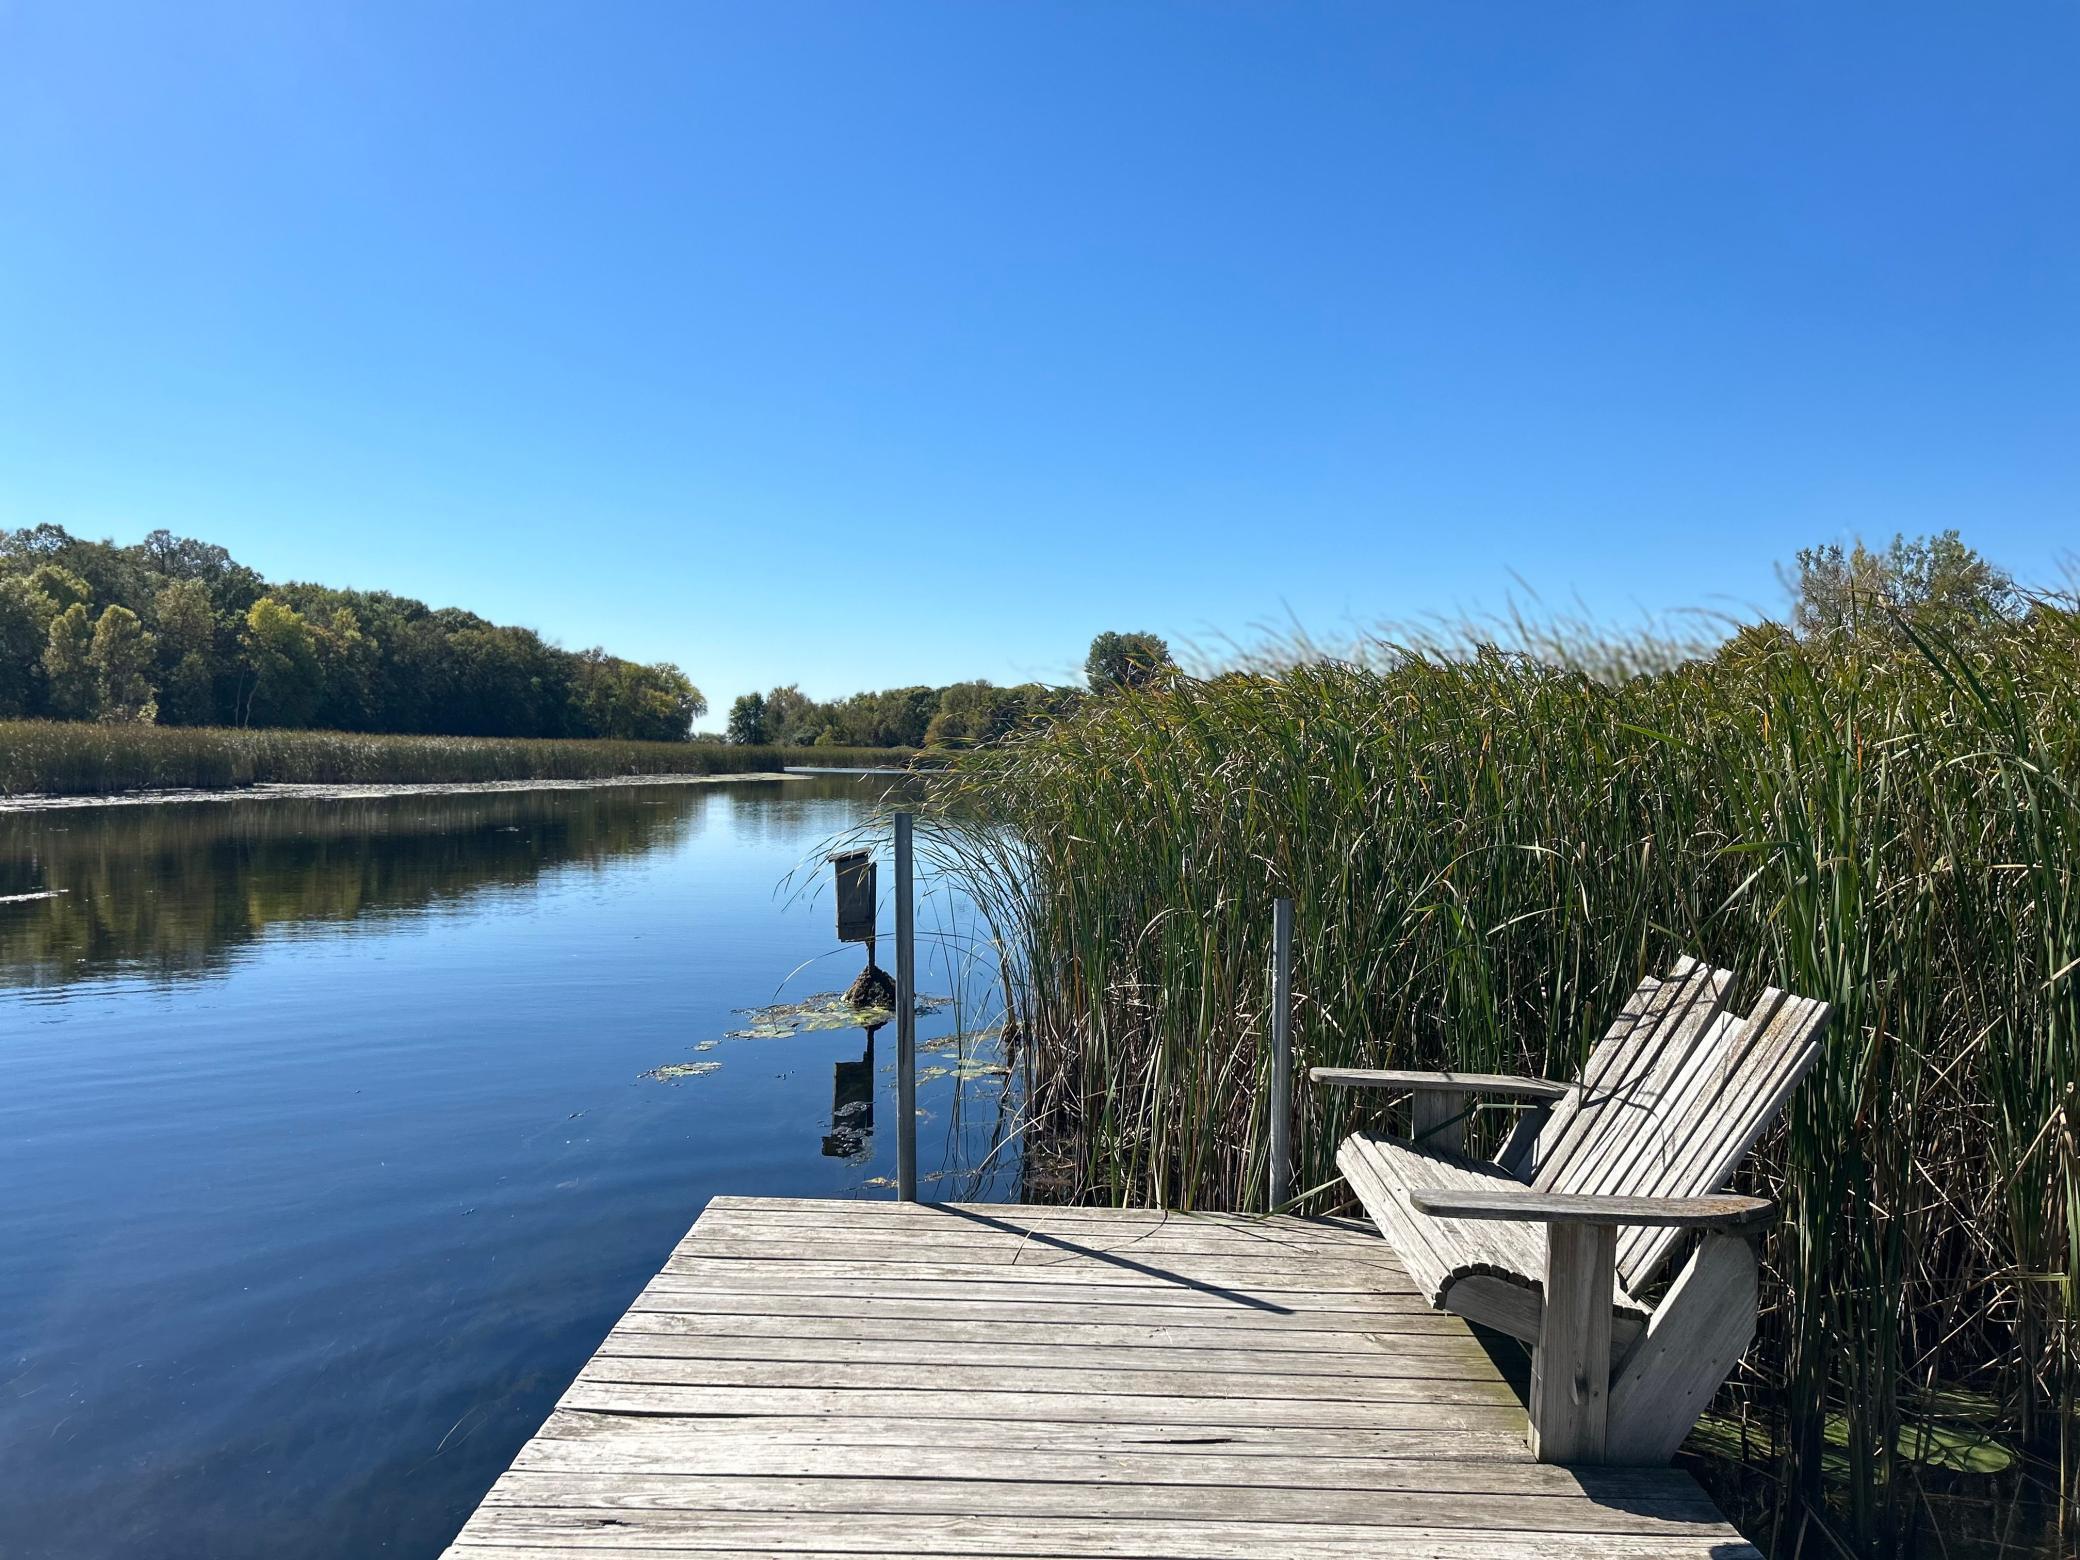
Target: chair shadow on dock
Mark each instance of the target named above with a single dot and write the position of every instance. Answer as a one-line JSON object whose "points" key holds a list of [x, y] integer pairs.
{"points": [[1111, 1256]]}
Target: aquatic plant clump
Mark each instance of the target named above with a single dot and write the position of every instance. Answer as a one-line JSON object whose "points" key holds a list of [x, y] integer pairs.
{"points": [[1488, 848], [825, 1010], [828, 1010], [673, 1072]]}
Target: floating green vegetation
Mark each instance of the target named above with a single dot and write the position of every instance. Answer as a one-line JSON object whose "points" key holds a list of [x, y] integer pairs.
{"points": [[1957, 1441], [672, 1072], [828, 1010], [965, 1041], [825, 1010], [878, 1182], [1961, 1449]]}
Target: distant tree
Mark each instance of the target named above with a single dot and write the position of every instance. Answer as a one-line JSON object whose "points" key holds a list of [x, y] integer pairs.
{"points": [[654, 703], [187, 652], [190, 687], [103, 571], [348, 663], [231, 585], [32, 544], [1125, 660], [908, 717], [791, 717], [60, 586], [972, 713], [1932, 580], [747, 720], [185, 619], [121, 655], [24, 630], [284, 678], [507, 682], [67, 664]]}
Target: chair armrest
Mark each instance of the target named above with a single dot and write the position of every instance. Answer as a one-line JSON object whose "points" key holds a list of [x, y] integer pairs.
{"points": [[1447, 1082], [1535, 1207]]}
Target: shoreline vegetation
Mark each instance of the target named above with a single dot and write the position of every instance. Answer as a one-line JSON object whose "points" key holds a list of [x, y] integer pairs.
{"points": [[1877, 804], [297, 683], [82, 760]]}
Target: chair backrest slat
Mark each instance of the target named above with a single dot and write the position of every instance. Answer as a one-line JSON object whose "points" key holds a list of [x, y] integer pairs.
{"points": [[1625, 1092], [1566, 1124], [1674, 1097], [1783, 1043]]}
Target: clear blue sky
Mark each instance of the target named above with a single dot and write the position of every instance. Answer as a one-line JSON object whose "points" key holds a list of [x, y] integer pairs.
{"points": [[866, 343]]}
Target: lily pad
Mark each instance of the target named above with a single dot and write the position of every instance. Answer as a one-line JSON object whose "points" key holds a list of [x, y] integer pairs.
{"points": [[1962, 1450]]}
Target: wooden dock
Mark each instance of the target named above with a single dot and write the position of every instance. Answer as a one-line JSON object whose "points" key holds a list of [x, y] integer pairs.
{"points": [[813, 1378]]}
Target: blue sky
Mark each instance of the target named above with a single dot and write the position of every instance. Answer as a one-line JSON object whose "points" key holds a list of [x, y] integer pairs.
{"points": [[865, 343]]}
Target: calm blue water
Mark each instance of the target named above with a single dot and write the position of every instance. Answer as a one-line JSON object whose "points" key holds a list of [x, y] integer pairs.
{"points": [[327, 1148]]}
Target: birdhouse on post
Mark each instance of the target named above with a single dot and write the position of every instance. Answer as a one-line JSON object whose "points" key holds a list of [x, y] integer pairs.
{"points": [[856, 897]]}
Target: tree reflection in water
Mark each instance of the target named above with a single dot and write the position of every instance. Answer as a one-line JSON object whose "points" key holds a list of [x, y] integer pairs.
{"points": [[176, 891]]}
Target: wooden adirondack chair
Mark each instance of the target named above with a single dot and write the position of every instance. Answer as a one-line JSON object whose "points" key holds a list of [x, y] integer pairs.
{"points": [[1559, 1240]]}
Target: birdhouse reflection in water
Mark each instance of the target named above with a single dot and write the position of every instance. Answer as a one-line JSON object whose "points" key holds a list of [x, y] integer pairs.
{"points": [[852, 1105]]}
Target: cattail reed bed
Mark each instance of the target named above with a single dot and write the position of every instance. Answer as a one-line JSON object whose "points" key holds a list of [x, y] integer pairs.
{"points": [[87, 759], [1488, 850]]}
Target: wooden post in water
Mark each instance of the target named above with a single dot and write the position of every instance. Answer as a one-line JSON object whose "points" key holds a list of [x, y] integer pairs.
{"points": [[906, 1018], [1281, 1052]]}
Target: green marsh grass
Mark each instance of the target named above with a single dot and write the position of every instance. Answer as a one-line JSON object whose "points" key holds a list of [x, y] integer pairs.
{"points": [[1488, 850], [86, 759]]}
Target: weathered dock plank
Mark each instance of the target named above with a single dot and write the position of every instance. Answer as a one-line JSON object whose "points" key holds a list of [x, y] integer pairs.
{"points": [[816, 1378]]}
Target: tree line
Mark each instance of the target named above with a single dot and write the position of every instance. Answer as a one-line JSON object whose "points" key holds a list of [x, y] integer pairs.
{"points": [[176, 631], [962, 714]]}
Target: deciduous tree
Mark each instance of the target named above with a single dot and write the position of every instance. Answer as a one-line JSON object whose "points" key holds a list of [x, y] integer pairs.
{"points": [[67, 667], [1125, 660], [281, 663], [1935, 581], [747, 720], [187, 652], [791, 717], [654, 703], [121, 655], [24, 629]]}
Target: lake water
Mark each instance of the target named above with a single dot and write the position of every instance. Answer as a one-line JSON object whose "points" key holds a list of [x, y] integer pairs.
{"points": [[330, 1147]]}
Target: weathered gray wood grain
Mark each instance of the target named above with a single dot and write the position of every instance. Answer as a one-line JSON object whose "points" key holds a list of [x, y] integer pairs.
{"points": [[825, 1379]]}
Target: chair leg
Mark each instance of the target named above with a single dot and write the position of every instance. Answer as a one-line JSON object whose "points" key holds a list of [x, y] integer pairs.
{"points": [[1571, 1367], [1691, 1345]]}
